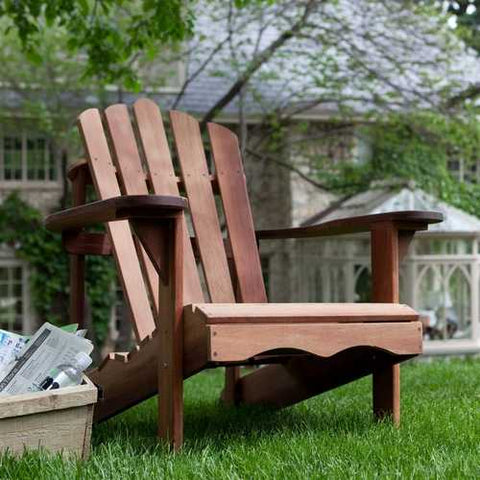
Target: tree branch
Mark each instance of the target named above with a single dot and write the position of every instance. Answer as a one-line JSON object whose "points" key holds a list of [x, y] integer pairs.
{"points": [[288, 166], [256, 63]]}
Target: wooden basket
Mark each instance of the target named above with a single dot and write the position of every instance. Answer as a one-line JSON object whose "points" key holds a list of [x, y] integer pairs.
{"points": [[58, 421]]}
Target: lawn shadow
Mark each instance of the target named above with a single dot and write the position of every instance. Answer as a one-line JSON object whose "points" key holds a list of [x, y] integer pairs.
{"points": [[210, 424], [220, 421]]}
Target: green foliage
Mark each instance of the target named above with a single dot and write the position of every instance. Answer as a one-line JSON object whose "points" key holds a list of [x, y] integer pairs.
{"points": [[112, 33], [417, 147], [21, 228], [468, 20]]}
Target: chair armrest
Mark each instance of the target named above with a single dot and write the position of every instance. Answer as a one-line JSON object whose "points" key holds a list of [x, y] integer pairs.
{"points": [[116, 208], [407, 220]]}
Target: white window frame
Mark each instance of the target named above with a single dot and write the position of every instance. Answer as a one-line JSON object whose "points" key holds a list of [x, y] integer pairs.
{"points": [[27, 319], [24, 165]]}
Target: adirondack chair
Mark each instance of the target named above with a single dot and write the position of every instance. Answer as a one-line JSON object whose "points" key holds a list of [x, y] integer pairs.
{"points": [[304, 348]]}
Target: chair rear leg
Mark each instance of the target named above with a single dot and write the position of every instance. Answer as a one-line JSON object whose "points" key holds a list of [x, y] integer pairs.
{"points": [[386, 393], [230, 393]]}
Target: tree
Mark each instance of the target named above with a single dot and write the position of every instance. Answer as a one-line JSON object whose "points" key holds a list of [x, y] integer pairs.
{"points": [[347, 61], [111, 33], [467, 26]]}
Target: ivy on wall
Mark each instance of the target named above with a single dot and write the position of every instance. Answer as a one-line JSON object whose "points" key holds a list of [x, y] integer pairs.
{"points": [[417, 147], [21, 228]]}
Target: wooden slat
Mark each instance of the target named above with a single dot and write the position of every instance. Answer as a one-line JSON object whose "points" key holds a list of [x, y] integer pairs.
{"points": [[164, 182], [115, 208], [302, 312], [82, 165], [407, 220], [188, 142], [238, 215], [106, 185], [132, 177], [40, 402], [239, 342]]}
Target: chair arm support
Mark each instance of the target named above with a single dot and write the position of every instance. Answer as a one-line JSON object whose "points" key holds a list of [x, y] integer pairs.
{"points": [[81, 165], [127, 207], [390, 233], [407, 220]]}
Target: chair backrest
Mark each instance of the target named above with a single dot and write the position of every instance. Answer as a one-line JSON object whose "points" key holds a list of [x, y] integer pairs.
{"points": [[130, 154]]}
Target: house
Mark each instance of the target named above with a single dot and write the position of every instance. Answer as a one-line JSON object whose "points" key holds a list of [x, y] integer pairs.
{"points": [[279, 176], [439, 277]]}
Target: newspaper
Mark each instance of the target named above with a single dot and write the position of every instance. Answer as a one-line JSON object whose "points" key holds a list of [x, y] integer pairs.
{"points": [[11, 345], [48, 348]]}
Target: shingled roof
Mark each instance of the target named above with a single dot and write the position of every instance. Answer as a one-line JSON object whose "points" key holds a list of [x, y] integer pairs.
{"points": [[386, 198]]}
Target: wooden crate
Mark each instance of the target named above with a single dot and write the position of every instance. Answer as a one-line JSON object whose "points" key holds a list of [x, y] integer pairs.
{"points": [[58, 421]]}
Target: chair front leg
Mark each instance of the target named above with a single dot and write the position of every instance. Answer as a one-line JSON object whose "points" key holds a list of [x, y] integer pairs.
{"points": [[388, 244], [164, 246]]}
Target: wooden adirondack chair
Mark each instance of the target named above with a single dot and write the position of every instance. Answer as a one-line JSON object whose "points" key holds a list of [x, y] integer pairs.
{"points": [[306, 348]]}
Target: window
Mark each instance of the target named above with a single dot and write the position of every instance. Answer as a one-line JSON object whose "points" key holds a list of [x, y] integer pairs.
{"points": [[463, 172], [26, 157], [12, 302]]}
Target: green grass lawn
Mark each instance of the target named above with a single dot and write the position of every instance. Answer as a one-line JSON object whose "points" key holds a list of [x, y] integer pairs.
{"points": [[331, 436]]}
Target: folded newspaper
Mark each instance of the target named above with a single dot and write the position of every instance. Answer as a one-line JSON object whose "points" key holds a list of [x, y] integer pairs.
{"points": [[11, 346], [25, 363]]}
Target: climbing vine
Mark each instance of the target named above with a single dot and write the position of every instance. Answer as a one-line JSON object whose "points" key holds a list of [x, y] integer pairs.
{"points": [[417, 147], [21, 228]]}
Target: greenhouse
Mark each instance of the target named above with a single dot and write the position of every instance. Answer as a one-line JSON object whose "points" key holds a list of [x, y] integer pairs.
{"points": [[439, 277]]}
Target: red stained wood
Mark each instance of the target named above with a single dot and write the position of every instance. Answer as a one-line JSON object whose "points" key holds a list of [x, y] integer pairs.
{"points": [[163, 181], [106, 185], [240, 342], [193, 163], [222, 313], [170, 235], [132, 177], [238, 215], [83, 243], [249, 286], [385, 278], [82, 164], [407, 220], [356, 339], [113, 209]]}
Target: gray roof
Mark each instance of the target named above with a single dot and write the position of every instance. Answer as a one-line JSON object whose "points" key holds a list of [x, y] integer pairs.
{"points": [[390, 199], [396, 55]]}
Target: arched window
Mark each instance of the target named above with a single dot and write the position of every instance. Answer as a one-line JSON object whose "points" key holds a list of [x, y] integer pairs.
{"points": [[458, 303], [444, 301]]}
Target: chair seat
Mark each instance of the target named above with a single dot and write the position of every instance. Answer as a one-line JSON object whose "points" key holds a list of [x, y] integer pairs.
{"points": [[221, 313]]}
